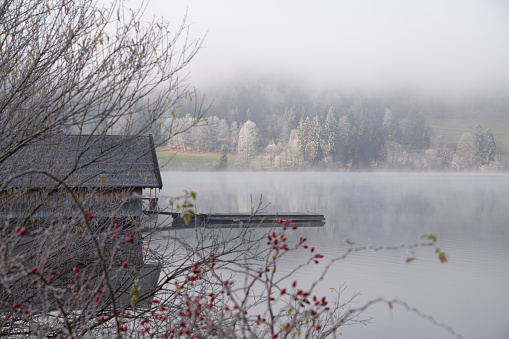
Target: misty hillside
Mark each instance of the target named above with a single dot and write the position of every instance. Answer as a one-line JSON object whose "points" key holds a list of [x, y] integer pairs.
{"points": [[264, 101]]}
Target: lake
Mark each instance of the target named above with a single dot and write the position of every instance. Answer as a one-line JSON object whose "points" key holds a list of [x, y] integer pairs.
{"points": [[468, 213]]}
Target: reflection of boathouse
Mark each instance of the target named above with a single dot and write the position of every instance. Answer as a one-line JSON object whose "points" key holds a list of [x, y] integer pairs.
{"points": [[46, 184]]}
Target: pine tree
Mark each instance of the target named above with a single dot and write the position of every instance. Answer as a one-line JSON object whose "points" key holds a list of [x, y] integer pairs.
{"points": [[315, 148], [331, 134], [223, 158], [305, 137], [445, 158], [479, 145], [342, 145], [490, 147], [417, 131], [466, 150], [290, 122], [485, 146]]}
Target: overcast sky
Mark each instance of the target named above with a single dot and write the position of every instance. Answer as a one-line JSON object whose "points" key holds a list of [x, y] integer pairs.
{"points": [[438, 45]]}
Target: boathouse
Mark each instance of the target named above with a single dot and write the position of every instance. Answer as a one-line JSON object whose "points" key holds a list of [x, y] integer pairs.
{"points": [[105, 173]]}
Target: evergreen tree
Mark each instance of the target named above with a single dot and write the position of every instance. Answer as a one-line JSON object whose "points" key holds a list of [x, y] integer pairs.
{"points": [[466, 150], [417, 131], [223, 158], [331, 134], [484, 146], [479, 145], [366, 137], [490, 147], [315, 148], [303, 136], [445, 158], [290, 122], [391, 126], [234, 135], [342, 152]]}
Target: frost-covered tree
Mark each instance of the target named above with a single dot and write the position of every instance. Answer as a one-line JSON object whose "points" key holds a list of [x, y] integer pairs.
{"points": [[490, 147], [466, 151], [304, 136], [484, 146], [309, 135], [234, 135], [309, 140], [248, 138], [218, 133], [293, 149], [331, 134], [315, 147], [445, 158], [391, 126]]}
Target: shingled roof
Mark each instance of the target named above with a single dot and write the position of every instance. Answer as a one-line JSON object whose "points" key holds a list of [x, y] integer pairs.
{"points": [[104, 162]]}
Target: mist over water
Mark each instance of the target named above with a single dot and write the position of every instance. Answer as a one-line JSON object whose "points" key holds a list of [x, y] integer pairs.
{"points": [[467, 212], [446, 59]]}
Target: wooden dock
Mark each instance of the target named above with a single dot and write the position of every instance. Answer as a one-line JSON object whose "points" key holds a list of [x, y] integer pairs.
{"points": [[239, 220]]}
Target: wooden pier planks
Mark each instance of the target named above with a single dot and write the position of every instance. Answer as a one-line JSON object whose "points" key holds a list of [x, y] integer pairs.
{"points": [[240, 220]]}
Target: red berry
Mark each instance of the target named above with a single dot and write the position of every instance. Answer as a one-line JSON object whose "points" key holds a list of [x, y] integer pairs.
{"points": [[125, 265], [22, 231]]}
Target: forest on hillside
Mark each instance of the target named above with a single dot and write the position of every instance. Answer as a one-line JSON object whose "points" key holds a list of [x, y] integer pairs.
{"points": [[294, 127]]}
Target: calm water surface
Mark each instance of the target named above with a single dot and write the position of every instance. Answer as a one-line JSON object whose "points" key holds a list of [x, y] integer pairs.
{"points": [[467, 212]]}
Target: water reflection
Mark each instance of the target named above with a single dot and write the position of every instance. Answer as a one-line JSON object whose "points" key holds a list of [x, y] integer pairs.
{"points": [[467, 212]]}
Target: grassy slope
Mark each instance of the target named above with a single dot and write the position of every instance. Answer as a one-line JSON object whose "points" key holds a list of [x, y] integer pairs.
{"points": [[169, 160]]}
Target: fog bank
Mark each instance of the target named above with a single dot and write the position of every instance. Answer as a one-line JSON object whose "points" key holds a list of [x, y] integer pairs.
{"points": [[433, 46]]}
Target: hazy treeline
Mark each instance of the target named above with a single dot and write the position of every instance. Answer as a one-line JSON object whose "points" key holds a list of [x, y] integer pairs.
{"points": [[292, 127]]}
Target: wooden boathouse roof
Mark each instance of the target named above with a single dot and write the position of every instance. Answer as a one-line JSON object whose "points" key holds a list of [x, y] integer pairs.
{"points": [[85, 161]]}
